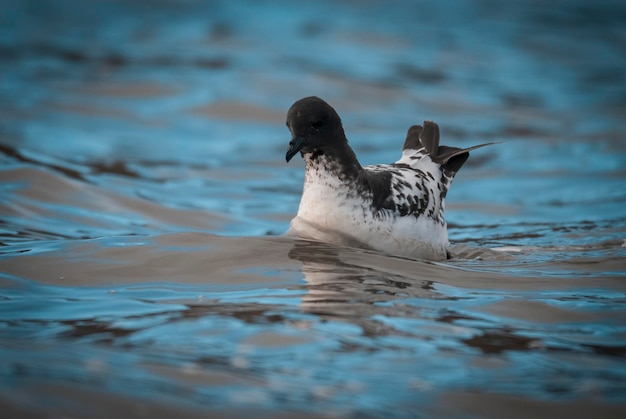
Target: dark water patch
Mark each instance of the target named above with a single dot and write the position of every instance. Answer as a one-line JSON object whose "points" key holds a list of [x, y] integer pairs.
{"points": [[110, 59], [497, 342], [421, 75], [618, 351], [116, 167], [18, 156]]}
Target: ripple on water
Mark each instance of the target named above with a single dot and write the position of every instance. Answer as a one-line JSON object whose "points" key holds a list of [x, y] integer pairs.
{"points": [[329, 325], [143, 186]]}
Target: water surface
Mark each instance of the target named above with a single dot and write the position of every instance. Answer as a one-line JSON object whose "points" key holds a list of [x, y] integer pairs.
{"points": [[144, 194]]}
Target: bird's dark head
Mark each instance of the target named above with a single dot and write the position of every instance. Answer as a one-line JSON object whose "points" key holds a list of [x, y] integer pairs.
{"points": [[314, 126]]}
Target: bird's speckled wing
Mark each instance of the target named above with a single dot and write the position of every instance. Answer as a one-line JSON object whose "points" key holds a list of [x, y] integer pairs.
{"points": [[400, 191]]}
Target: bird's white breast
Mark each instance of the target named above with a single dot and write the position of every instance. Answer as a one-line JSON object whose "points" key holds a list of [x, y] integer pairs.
{"points": [[332, 211]]}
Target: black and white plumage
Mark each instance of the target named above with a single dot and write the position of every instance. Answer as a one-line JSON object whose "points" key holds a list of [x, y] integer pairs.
{"points": [[394, 208]]}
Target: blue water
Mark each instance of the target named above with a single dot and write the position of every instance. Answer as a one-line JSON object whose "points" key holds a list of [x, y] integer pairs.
{"points": [[143, 193]]}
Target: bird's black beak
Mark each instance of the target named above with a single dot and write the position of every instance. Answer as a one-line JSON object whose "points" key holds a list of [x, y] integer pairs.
{"points": [[295, 145]]}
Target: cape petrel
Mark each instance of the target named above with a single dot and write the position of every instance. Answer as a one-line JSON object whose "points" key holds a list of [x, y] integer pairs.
{"points": [[393, 208]]}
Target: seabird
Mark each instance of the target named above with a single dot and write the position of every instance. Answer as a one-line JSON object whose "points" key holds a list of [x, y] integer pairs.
{"points": [[393, 208]]}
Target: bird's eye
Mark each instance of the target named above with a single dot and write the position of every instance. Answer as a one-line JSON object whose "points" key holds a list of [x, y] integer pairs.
{"points": [[317, 124]]}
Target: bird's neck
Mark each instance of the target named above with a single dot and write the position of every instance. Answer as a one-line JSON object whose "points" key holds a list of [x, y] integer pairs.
{"points": [[338, 161]]}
